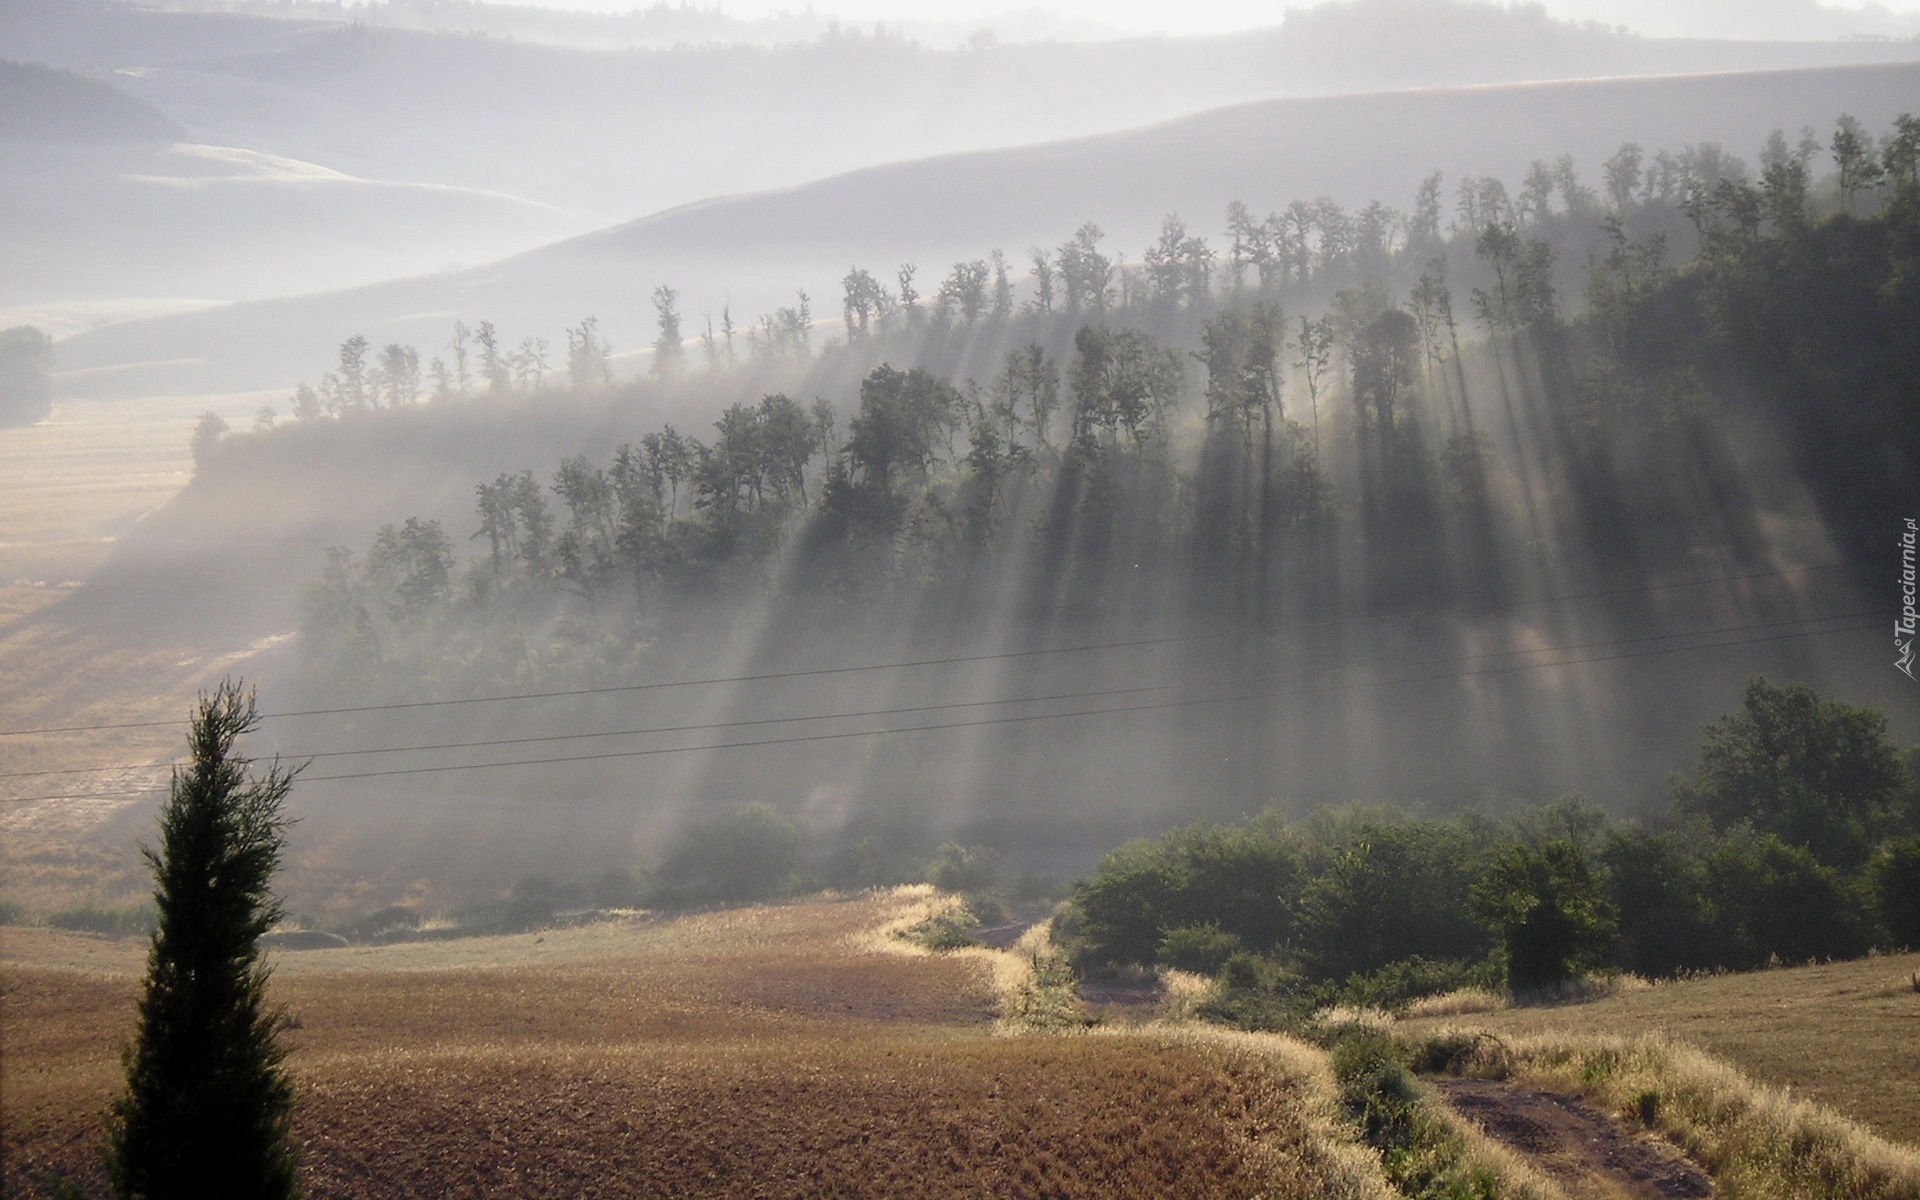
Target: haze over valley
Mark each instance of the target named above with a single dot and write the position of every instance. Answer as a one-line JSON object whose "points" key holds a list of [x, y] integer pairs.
{"points": [[916, 534]]}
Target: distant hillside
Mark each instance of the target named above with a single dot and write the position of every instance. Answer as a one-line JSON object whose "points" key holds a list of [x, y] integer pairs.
{"points": [[754, 251], [45, 104], [1806, 19], [93, 221], [612, 133], [603, 135], [108, 34], [617, 133]]}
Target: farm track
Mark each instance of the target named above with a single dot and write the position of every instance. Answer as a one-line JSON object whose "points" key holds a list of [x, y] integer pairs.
{"points": [[1845, 1035], [1584, 1151]]}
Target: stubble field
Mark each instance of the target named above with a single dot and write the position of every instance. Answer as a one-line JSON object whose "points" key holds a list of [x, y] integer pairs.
{"points": [[775, 1052]]}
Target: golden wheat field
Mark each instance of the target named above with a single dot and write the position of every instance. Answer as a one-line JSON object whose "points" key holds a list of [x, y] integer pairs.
{"points": [[772, 1052], [1844, 1034]]}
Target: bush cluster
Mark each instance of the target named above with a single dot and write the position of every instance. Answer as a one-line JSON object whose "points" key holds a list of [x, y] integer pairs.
{"points": [[1798, 838]]}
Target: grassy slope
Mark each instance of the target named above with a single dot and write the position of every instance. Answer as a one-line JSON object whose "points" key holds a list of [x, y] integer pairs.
{"points": [[43, 104], [764, 1053], [1846, 1035]]}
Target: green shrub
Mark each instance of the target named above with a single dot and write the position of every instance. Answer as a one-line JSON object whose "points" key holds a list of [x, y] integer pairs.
{"points": [[1118, 913], [946, 931], [1400, 983], [1391, 891], [1547, 905], [1646, 1106], [1031, 887], [1377, 1091], [1657, 884], [384, 924], [1254, 993], [1772, 900], [1423, 1148], [747, 854], [1237, 878], [92, 917], [1452, 1051], [1202, 948], [617, 887], [960, 868], [1893, 881], [531, 904]]}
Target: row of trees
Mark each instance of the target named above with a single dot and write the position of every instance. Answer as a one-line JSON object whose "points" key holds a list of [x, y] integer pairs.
{"points": [[476, 360], [1306, 244], [1229, 455], [1798, 837], [1319, 240], [1372, 394]]}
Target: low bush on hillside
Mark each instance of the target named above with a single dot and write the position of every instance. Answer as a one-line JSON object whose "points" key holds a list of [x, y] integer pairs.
{"points": [[115, 921], [951, 929]]}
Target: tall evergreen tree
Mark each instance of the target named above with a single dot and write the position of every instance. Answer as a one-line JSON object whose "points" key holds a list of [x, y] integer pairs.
{"points": [[207, 1110]]}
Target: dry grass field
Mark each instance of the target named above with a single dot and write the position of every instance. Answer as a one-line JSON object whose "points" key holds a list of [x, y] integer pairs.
{"points": [[1845, 1035], [70, 488], [71, 485], [772, 1052]]}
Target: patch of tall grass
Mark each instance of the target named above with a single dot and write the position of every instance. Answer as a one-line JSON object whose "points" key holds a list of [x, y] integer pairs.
{"points": [[1377, 1129], [1039, 992], [1461, 1002], [1427, 1150]]}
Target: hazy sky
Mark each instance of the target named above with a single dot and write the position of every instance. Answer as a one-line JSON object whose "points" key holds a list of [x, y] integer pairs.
{"points": [[1750, 18]]}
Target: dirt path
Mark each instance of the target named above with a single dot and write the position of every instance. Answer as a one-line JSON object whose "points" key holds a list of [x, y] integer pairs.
{"points": [[1590, 1156]]}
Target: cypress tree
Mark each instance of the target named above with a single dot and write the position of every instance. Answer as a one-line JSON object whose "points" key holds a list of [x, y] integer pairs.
{"points": [[208, 1106]]}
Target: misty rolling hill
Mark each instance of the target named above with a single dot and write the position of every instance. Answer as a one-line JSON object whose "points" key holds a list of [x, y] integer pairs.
{"points": [[41, 104], [183, 219], [754, 251], [457, 140]]}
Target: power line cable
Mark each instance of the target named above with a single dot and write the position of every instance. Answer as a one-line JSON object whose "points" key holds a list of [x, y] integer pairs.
{"points": [[1169, 704], [1100, 693], [953, 660], [1008, 720]]}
